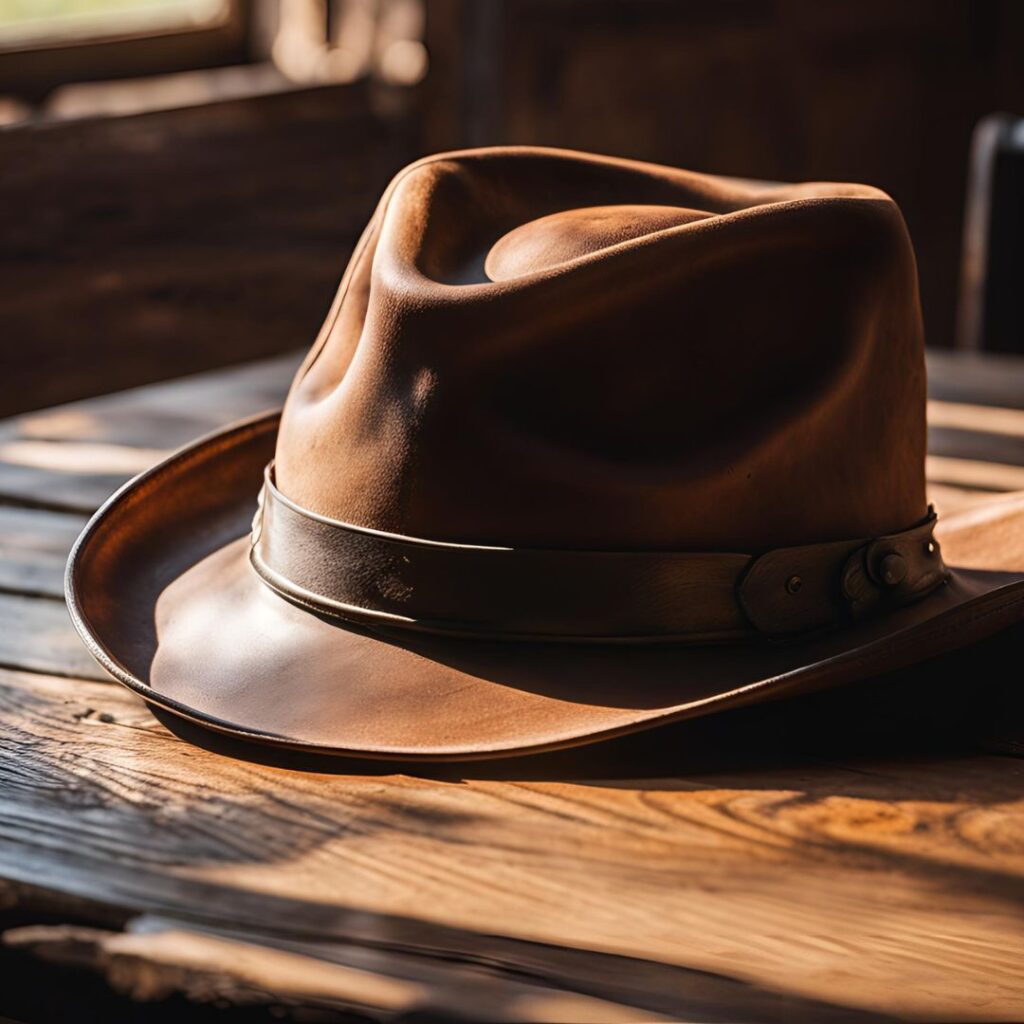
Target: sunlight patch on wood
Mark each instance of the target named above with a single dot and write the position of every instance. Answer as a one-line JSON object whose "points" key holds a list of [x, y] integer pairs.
{"points": [[56, 423], [987, 476], [60, 457], [948, 499], [979, 418]]}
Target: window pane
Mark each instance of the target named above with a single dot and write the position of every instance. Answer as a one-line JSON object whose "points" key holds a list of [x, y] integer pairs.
{"points": [[30, 22]]}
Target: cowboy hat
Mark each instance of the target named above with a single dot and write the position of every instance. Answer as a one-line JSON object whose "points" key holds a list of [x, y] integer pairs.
{"points": [[584, 446]]}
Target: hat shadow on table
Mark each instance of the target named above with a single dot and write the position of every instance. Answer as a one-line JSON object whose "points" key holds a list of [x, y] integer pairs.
{"points": [[918, 714]]}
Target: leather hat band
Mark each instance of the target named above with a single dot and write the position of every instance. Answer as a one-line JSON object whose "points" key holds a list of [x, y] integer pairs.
{"points": [[375, 578]]}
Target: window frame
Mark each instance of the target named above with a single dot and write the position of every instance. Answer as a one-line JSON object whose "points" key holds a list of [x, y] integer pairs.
{"points": [[30, 72]]}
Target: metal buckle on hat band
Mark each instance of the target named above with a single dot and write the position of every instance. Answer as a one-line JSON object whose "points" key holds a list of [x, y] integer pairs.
{"points": [[896, 569], [795, 590], [386, 580]]}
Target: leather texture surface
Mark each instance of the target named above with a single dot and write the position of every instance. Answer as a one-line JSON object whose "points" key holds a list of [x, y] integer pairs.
{"points": [[546, 350], [375, 578], [161, 588]]}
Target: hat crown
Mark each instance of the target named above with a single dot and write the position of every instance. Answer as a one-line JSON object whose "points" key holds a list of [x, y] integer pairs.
{"points": [[568, 235], [548, 349]]}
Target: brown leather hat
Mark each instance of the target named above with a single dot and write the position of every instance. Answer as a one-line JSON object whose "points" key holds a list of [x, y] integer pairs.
{"points": [[585, 445]]}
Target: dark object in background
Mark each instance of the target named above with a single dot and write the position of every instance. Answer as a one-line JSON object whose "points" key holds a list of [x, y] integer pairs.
{"points": [[991, 314]]}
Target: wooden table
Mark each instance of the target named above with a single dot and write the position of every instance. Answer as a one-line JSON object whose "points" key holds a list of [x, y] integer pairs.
{"points": [[839, 860]]}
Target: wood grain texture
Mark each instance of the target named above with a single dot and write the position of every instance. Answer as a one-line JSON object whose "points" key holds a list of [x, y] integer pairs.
{"points": [[157, 958], [37, 634], [490, 979], [749, 869], [789, 876]]}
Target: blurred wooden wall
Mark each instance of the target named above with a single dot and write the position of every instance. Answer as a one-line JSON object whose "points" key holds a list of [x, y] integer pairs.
{"points": [[139, 247], [143, 247], [880, 91]]}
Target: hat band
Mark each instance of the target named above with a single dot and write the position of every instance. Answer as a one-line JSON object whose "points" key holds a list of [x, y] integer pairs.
{"points": [[366, 576]]}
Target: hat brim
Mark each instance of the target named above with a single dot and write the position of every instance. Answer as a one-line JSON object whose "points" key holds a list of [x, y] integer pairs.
{"points": [[160, 587]]}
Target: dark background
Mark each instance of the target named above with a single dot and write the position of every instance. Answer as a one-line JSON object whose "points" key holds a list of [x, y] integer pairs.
{"points": [[145, 245]]}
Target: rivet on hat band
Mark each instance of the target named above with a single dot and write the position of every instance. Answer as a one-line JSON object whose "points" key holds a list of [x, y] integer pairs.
{"points": [[366, 576]]}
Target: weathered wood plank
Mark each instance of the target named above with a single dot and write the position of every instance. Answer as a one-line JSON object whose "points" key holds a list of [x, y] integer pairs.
{"points": [[72, 457], [34, 547], [976, 424], [888, 885], [167, 414], [974, 379], [972, 474], [987, 419], [662, 872], [164, 958], [976, 446], [36, 487], [950, 498], [36, 634], [497, 979]]}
